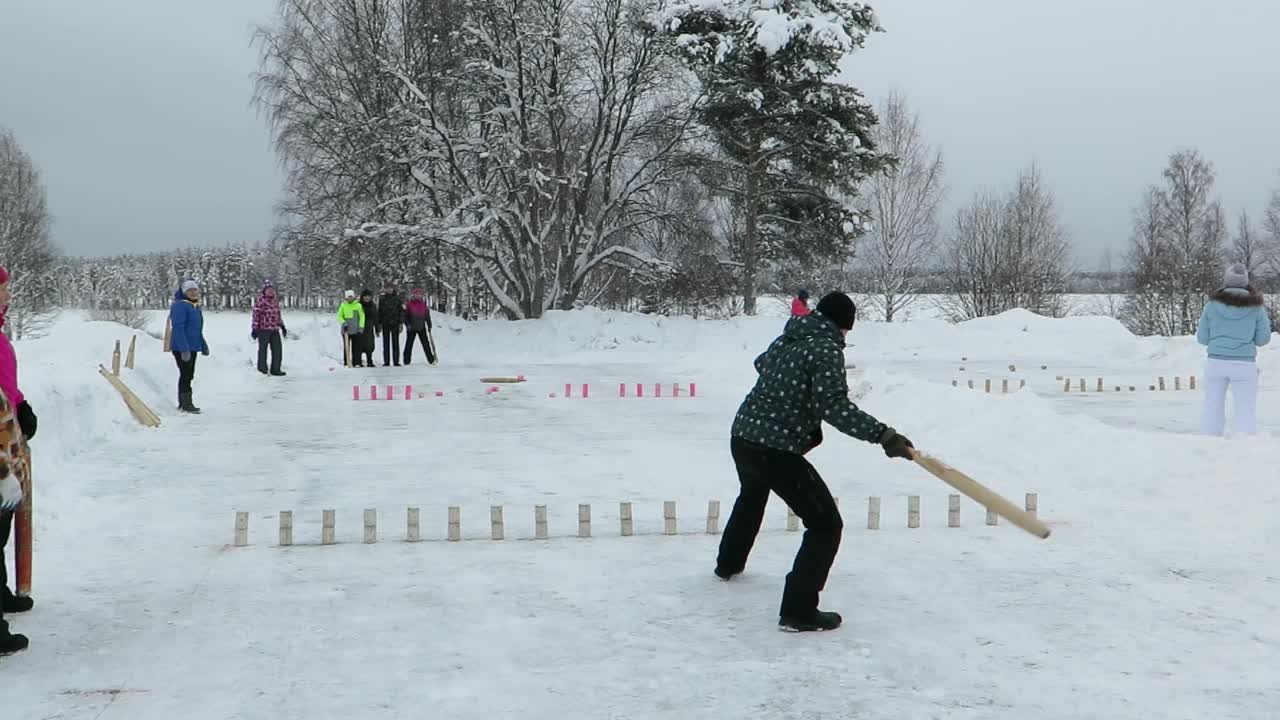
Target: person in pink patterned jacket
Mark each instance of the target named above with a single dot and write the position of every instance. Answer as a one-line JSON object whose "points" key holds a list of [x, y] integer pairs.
{"points": [[268, 329], [10, 488]]}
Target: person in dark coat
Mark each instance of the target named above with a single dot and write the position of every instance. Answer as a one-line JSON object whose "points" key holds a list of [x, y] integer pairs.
{"points": [[368, 340], [187, 327], [801, 384], [390, 318], [417, 323]]}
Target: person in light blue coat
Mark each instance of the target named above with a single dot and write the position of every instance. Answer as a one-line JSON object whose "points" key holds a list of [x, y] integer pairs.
{"points": [[1233, 326]]}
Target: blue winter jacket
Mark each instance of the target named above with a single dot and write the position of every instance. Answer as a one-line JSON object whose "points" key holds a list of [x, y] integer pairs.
{"points": [[1234, 325], [188, 326]]}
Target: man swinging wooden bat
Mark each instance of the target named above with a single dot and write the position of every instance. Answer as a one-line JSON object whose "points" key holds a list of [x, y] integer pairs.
{"points": [[801, 384]]}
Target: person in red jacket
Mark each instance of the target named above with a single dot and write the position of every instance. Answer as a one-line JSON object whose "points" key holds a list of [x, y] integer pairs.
{"points": [[800, 304], [10, 487]]}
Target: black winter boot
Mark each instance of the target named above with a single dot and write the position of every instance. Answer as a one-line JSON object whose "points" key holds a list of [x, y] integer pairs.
{"points": [[809, 622], [185, 405], [13, 604], [11, 643]]}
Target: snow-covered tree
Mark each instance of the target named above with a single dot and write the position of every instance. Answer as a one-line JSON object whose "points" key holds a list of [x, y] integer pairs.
{"points": [[796, 141], [1010, 252], [26, 246], [903, 205], [1177, 249]]}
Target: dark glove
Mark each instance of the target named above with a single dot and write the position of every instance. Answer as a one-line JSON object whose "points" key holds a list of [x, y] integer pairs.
{"points": [[284, 331], [205, 352], [254, 334], [897, 446], [27, 420], [815, 439]]}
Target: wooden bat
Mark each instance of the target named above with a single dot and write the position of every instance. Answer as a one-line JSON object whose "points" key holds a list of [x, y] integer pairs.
{"points": [[982, 494], [22, 531]]}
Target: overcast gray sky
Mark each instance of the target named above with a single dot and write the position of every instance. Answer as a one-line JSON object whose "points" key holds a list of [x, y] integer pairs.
{"points": [[138, 112]]}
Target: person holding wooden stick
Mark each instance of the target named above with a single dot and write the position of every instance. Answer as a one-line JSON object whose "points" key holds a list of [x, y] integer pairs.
{"points": [[1233, 325], [17, 427], [801, 384]]}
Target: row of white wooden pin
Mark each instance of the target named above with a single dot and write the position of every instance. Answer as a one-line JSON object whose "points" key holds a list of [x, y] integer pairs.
{"points": [[1160, 385], [497, 530]]}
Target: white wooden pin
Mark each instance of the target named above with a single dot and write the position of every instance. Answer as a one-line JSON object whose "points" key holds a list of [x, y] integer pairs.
{"points": [[327, 528], [1004, 386], [242, 529], [1177, 382], [540, 522], [1099, 384], [988, 385], [1161, 382], [1033, 504], [624, 513], [497, 532], [1082, 387], [992, 517], [913, 511], [953, 511], [793, 520], [370, 525], [455, 523], [873, 513], [713, 517], [584, 520], [413, 528], [669, 517], [286, 527], [1193, 382]]}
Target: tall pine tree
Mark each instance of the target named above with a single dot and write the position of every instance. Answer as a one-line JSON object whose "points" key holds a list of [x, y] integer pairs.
{"points": [[797, 142]]}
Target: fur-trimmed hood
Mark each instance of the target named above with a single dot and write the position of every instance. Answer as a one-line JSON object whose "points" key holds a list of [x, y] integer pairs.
{"points": [[1236, 297]]}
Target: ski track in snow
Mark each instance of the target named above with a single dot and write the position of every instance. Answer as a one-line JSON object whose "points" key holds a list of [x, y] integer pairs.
{"points": [[1156, 597]]}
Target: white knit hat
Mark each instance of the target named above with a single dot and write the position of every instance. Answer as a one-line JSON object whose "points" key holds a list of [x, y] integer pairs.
{"points": [[188, 285], [349, 294]]}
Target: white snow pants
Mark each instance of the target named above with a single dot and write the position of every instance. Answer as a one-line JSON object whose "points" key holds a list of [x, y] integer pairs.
{"points": [[1242, 377]]}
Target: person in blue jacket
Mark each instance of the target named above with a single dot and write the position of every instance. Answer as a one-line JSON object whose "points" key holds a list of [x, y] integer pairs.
{"points": [[1233, 326], [187, 339]]}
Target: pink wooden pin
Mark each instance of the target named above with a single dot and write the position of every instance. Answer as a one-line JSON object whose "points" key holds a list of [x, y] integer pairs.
{"points": [[568, 390], [622, 389], [390, 393], [408, 392], [373, 392], [639, 390], [693, 390], [355, 392], [585, 390], [657, 390]]}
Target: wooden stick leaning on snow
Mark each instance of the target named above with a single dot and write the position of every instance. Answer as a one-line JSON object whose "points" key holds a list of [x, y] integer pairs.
{"points": [[140, 411], [982, 494]]}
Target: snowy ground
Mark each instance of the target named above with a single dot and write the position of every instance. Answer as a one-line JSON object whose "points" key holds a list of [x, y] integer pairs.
{"points": [[1156, 597]]}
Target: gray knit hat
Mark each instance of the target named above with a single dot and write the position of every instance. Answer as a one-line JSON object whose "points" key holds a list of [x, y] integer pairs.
{"points": [[1236, 276]]}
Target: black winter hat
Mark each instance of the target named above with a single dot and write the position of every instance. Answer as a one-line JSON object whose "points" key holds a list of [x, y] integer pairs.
{"points": [[803, 294], [839, 308]]}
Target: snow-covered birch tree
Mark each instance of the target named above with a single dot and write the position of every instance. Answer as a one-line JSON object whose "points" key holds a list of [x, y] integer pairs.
{"points": [[797, 141], [1177, 249], [903, 204], [26, 246], [573, 118]]}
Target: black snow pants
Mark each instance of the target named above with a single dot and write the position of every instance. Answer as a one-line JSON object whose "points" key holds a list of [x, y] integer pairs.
{"points": [[6, 523], [390, 344], [420, 335], [186, 373], [761, 470], [269, 340]]}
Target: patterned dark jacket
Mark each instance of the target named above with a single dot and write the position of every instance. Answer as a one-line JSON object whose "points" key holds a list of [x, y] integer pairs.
{"points": [[802, 383]]}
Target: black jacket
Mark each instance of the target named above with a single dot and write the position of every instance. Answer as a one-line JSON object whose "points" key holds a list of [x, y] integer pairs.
{"points": [[391, 311]]}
